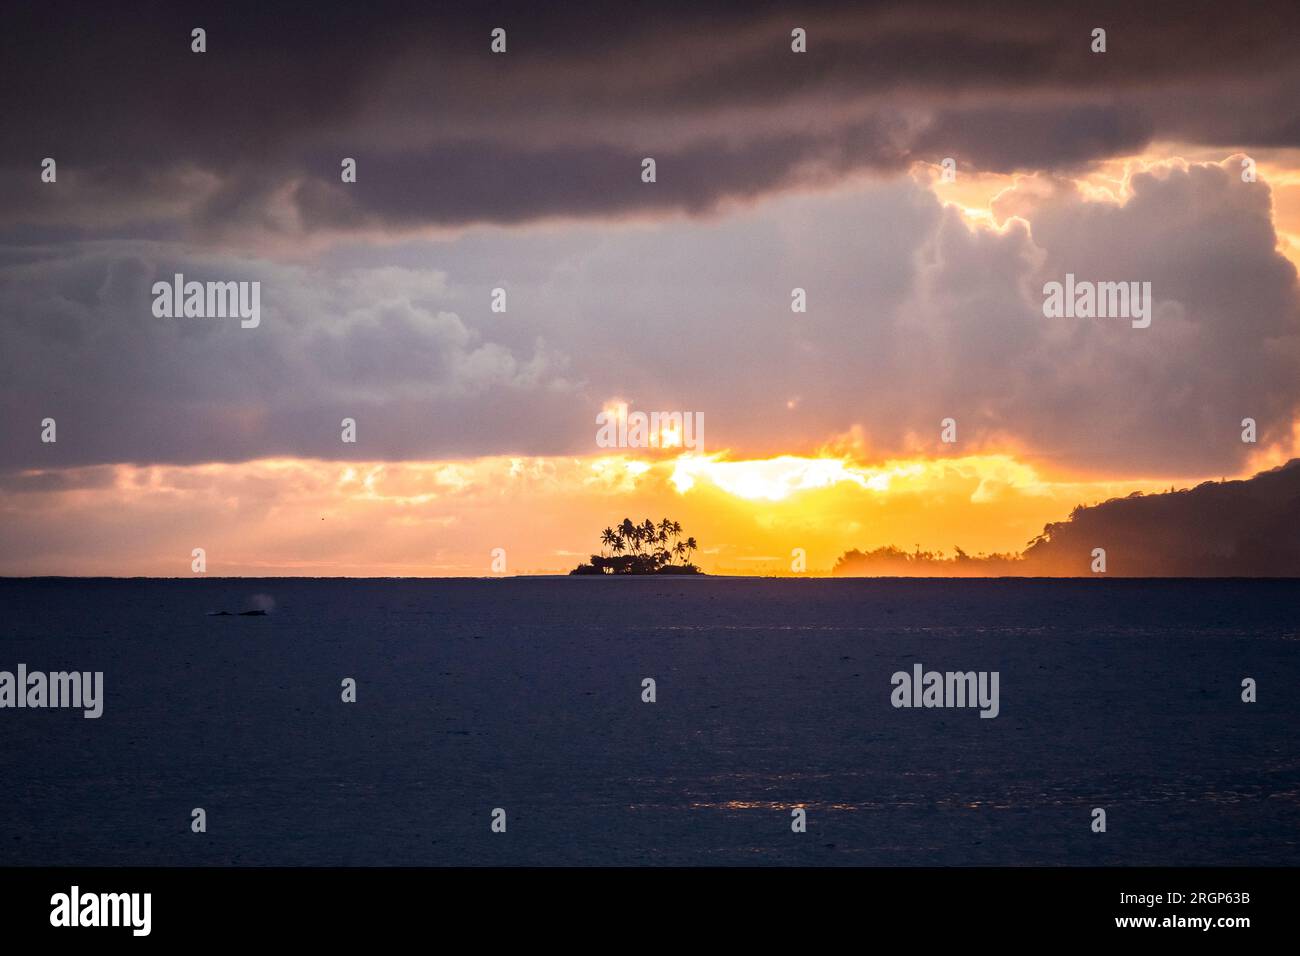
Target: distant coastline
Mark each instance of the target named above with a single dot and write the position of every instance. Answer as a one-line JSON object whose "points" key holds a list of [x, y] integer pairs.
{"points": [[1219, 529]]}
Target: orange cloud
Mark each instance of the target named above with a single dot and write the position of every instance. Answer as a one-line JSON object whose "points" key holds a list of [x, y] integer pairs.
{"points": [[314, 517]]}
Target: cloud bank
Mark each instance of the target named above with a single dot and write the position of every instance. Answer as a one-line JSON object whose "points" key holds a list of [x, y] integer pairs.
{"points": [[915, 315], [244, 141]]}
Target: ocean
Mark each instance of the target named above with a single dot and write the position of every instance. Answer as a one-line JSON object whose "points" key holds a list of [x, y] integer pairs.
{"points": [[771, 695]]}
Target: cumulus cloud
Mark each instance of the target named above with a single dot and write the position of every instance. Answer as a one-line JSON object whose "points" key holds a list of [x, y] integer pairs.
{"points": [[82, 346], [1224, 343], [914, 315]]}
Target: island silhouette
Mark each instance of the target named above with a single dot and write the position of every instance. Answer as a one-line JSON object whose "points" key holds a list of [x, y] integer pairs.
{"points": [[650, 549], [1239, 528]]}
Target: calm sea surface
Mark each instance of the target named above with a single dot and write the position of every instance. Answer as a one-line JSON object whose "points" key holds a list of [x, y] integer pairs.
{"points": [[525, 694]]}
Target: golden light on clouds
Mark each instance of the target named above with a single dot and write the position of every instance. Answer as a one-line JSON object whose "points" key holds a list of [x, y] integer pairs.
{"points": [[306, 516], [976, 193], [431, 518]]}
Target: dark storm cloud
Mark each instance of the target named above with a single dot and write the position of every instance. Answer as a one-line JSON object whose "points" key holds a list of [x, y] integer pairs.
{"points": [[459, 182], [915, 315], [248, 136], [1003, 140]]}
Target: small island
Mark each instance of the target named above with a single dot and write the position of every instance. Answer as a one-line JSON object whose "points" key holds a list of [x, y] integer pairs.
{"points": [[644, 548]]}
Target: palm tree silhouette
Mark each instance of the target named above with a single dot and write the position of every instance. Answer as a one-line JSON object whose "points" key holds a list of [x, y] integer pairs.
{"points": [[654, 549], [631, 534]]}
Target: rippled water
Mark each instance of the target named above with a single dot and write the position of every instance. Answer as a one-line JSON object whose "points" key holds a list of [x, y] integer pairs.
{"points": [[526, 694]]}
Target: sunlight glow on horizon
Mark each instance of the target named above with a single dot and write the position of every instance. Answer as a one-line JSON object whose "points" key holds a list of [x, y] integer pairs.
{"points": [[775, 479], [287, 516]]}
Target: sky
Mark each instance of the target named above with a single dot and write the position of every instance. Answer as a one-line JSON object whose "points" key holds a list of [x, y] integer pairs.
{"points": [[523, 171]]}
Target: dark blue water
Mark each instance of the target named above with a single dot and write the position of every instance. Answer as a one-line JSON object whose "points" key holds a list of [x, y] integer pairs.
{"points": [[525, 694]]}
